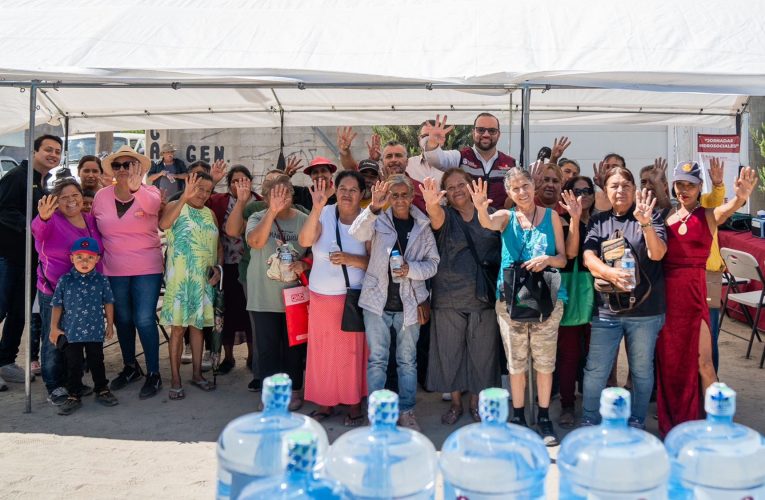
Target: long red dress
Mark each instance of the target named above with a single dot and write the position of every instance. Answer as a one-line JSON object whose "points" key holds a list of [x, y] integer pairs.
{"points": [[677, 349]]}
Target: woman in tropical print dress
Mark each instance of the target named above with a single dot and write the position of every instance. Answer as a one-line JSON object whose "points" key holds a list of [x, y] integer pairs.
{"points": [[192, 254]]}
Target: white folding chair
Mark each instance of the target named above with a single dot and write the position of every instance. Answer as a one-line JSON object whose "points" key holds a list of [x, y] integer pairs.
{"points": [[743, 266]]}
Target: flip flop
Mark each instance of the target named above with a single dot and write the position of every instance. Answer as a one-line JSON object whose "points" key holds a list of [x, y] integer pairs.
{"points": [[320, 415], [176, 394], [356, 421], [204, 384]]}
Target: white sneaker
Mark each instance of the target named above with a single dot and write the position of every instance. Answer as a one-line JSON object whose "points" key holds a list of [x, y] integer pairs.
{"points": [[186, 356], [408, 420], [206, 361], [13, 373], [3, 385], [446, 396]]}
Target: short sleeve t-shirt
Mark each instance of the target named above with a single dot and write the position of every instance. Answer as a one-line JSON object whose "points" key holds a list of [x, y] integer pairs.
{"points": [[602, 226], [326, 277], [263, 293], [403, 229], [82, 297]]}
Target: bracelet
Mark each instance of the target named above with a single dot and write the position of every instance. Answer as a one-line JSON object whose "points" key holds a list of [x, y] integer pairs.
{"points": [[647, 224]]}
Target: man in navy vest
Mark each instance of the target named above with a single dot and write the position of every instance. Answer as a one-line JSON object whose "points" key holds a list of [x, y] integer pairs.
{"points": [[480, 161]]}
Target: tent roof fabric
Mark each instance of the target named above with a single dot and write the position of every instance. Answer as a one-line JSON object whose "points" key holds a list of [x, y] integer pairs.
{"points": [[683, 62]]}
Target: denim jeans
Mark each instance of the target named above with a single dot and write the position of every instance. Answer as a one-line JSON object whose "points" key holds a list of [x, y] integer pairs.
{"points": [[135, 308], [378, 340], [606, 335], [714, 331], [52, 361], [11, 310]]}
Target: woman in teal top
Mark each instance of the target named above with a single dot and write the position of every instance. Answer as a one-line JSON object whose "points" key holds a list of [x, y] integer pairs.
{"points": [[532, 235]]}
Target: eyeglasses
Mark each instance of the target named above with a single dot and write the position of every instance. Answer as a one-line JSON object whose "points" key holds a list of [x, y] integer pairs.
{"points": [[584, 192], [483, 130], [120, 165]]}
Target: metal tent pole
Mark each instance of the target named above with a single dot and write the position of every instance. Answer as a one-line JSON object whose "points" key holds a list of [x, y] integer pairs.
{"points": [[28, 249], [525, 104]]}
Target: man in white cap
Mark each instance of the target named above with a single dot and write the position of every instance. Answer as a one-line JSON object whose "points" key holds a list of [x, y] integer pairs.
{"points": [[168, 173]]}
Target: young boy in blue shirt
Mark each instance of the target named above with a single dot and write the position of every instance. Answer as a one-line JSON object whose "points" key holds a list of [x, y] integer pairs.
{"points": [[81, 300]]}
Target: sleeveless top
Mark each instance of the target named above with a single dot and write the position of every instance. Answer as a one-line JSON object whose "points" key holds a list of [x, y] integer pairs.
{"points": [[690, 250]]}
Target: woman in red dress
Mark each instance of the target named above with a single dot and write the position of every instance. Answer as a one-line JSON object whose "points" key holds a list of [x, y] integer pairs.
{"points": [[684, 348]]}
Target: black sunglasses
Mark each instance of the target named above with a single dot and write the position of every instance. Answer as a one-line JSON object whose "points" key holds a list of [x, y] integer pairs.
{"points": [[584, 191], [126, 165], [483, 130]]}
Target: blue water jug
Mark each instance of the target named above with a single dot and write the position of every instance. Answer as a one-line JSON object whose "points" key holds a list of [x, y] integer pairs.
{"points": [[253, 447], [300, 479], [384, 461], [494, 459], [716, 458], [613, 460]]}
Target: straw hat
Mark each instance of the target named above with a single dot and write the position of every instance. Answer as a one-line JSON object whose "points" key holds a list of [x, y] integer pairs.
{"points": [[106, 163]]}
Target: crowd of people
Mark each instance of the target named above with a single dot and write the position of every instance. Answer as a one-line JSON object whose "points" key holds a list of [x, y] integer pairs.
{"points": [[505, 268]]}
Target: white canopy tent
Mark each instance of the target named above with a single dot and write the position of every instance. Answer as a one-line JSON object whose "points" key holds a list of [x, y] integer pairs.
{"points": [[241, 63]]}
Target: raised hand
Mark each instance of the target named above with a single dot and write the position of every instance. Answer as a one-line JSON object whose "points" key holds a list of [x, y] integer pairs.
{"points": [[716, 166], [47, 206], [572, 204], [431, 191], [599, 174], [345, 137], [380, 195], [191, 187], [658, 174], [479, 193], [293, 165], [243, 190], [280, 198], [559, 146], [218, 171], [437, 133], [537, 172], [744, 185], [644, 203], [375, 151], [135, 176], [321, 192]]}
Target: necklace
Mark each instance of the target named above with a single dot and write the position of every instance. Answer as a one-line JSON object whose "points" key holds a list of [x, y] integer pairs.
{"points": [[683, 229]]}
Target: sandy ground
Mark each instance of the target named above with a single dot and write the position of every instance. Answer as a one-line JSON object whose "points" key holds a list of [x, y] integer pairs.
{"points": [[161, 448]]}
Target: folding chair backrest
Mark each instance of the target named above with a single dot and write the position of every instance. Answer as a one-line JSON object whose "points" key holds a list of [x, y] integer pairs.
{"points": [[741, 264]]}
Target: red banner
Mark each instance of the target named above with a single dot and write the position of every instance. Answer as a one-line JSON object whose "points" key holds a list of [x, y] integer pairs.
{"points": [[719, 143]]}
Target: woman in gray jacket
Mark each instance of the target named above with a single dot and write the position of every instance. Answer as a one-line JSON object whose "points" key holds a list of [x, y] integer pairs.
{"points": [[390, 298]]}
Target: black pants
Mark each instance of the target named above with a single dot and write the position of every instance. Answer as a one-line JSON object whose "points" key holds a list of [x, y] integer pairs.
{"points": [[74, 357], [274, 352]]}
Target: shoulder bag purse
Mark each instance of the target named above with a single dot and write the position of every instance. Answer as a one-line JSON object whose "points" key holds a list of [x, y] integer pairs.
{"points": [[620, 300], [353, 316]]}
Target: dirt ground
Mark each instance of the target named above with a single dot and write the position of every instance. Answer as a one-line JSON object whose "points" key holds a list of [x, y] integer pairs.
{"points": [[161, 448]]}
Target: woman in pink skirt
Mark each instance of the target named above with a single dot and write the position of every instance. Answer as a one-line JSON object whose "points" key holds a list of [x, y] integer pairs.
{"points": [[337, 360]]}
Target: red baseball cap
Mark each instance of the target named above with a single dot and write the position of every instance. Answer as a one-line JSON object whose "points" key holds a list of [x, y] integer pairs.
{"points": [[320, 161]]}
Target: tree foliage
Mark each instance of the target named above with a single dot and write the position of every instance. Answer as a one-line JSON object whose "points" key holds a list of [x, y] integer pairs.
{"points": [[408, 135]]}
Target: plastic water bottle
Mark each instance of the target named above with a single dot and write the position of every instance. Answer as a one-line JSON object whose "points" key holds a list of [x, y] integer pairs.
{"points": [[613, 460], [384, 461], [334, 248], [396, 261], [494, 459], [715, 458], [253, 447], [540, 246], [285, 261], [628, 264], [299, 480]]}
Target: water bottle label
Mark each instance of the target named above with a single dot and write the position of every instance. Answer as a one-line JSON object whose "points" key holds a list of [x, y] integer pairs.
{"points": [[224, 485], [452, 492], [702, 493]]}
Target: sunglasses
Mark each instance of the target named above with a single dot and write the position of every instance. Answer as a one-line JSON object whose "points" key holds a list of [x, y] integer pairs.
{"points": [[584, 192], [126, 165], [483, 130]]}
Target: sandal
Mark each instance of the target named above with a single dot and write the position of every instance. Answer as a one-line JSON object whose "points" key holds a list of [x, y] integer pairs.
{"points": [[451, 416], [204, 384], [320, 416], [474, 413], [176, 394], [356, 421]]}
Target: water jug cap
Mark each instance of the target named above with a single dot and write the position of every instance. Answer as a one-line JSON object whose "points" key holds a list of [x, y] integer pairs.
{"points": [[720, 400], [301, 449], [383, 408], [615, 402], [277, 391], [492, 405], [395, 252]]}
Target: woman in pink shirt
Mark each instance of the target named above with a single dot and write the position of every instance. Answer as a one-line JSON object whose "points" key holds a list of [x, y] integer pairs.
{"points": [[127, 215], [59, 223]]}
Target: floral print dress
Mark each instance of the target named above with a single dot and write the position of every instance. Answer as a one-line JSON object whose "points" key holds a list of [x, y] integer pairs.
{"points": [[192, 247]]}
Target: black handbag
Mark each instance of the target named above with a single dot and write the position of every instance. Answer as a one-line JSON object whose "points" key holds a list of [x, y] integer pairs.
{"points": [[486, 281], [353, 316]]}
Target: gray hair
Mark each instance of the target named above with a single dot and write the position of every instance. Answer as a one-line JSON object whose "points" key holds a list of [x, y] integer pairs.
{"points": [[516, 172], [398, 179]]}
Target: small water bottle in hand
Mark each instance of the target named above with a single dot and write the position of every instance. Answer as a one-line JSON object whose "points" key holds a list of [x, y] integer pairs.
{"points": [[396, 261], [628, 264], [334, 248], [285, 262]]}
